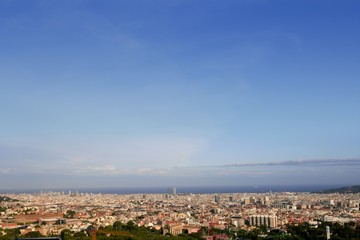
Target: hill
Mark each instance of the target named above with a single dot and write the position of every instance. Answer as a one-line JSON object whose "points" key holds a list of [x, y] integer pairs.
{"points": [[7, 199], [350, 189]]}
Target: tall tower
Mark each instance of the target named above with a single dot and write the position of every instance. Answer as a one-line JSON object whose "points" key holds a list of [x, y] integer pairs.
{"points": [[327, 232], [171, 190]]}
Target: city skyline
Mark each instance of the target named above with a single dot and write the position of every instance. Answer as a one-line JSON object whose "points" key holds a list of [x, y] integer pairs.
{"points": [[179, 93]]}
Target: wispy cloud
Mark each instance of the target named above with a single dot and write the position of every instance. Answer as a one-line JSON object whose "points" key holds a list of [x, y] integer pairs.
{"points": [[6, 170], [312, 162], [113, 155], [106, 175], [221, 170], [246, 168]]}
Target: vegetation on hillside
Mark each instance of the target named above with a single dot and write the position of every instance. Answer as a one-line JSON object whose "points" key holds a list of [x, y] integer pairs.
{"points": [[129, 231], [350, 189], [7, 199]]}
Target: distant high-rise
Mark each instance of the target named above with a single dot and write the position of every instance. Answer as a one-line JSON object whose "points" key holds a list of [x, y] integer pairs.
{"points": [[246, 200], [171, 190], [217, 198]]}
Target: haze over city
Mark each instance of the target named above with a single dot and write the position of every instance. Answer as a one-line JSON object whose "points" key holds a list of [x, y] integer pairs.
{"points": [[179, 93]]}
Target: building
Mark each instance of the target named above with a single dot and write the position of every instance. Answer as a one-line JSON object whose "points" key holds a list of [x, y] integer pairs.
{"points": [[237, 221], [263, 220], [171, 190], [246, 200]]}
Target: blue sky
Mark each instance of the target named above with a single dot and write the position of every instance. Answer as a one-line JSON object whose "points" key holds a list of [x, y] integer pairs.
{"points": [[148, 93]]}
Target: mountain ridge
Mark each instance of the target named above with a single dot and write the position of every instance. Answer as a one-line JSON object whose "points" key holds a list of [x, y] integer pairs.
{"points": [[348, 189]]}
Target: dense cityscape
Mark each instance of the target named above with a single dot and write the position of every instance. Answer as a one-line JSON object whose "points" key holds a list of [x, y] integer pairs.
{"points": [[204, 216]]}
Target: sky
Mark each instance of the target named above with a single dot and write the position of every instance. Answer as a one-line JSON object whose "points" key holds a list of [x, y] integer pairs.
{"points": [[179, 93]]}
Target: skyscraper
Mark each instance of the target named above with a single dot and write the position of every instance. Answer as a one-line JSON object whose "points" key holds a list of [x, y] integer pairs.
{"points": [[171, 190]]}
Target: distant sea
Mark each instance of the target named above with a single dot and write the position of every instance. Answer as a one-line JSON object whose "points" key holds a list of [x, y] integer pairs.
{"points": [[183, 190]]}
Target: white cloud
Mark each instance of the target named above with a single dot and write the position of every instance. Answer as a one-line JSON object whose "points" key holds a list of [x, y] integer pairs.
{"points": [[105, 155], [6, 170]]}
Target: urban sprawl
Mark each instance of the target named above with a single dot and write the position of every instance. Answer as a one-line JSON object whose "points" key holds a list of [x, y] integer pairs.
{"points": [[52, 212]]}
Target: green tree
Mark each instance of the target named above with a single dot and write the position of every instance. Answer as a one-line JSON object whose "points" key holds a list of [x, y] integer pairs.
{"points": [[34, 234], [66, 234], [118, 225], [80, 235], [69, 214]]}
